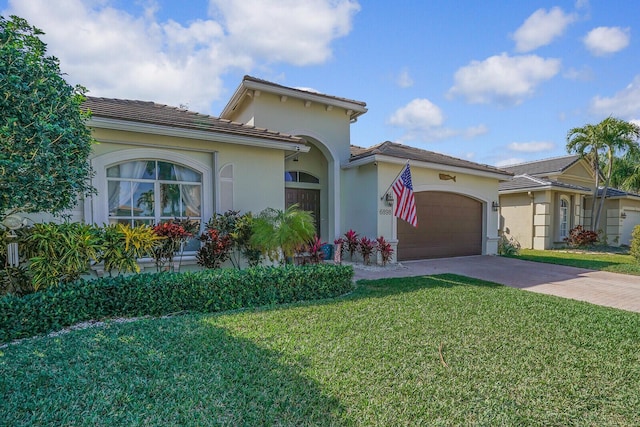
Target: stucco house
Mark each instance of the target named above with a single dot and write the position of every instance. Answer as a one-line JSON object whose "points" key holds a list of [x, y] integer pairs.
{"points": [[273, 146], [547, 198]]}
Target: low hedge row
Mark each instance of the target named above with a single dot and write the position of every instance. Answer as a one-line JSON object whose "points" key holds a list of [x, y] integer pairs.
{"points": [[163, 293]]}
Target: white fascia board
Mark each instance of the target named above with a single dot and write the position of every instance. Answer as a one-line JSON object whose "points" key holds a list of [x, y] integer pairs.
{"points": [[543, 188], [427, 165], [238, 96], [124, 125]]}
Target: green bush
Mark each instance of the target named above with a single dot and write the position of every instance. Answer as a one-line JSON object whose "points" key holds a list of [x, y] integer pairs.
{"points": [[163, 293], [508, 246], [634, 250]]}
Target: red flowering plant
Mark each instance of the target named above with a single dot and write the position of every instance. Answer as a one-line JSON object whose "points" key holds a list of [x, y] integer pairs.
{"points": [[174, 234], [366, 247], [385, 250], [351, 243], [215, 250], [314, 248]]}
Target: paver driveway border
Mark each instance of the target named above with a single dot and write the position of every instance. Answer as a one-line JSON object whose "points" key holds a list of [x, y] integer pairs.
{"points": [[598, 287]]}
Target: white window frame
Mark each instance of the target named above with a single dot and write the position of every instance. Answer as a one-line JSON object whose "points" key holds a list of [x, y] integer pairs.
{"points": [[97, 206], [563, 213]]}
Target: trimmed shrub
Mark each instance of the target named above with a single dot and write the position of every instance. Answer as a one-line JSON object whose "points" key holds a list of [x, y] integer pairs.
{"points": [[163, 293]]}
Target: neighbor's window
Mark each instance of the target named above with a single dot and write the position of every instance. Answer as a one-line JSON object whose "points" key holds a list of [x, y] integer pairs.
{"points": [[152, 191], [564, 218]]}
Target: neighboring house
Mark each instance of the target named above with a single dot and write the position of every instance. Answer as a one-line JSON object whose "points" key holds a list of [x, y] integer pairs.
{"points": [[547, 198], [274, 146]]}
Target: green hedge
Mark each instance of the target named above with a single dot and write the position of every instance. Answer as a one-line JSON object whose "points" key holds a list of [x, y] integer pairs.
{"points": [[163, 293]]}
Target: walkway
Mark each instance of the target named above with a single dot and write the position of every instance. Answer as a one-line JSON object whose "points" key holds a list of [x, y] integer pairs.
{"points": [[598, 287]]}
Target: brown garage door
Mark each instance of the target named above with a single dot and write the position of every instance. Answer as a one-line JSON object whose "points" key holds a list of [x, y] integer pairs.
{"points": [[448, 225]]}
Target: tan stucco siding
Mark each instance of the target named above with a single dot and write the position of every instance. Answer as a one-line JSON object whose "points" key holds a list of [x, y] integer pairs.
{"points": [[516, 211], [360, 200]]}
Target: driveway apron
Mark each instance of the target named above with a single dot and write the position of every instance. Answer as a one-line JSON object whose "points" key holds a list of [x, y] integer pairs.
{"points": [[598, 287]]}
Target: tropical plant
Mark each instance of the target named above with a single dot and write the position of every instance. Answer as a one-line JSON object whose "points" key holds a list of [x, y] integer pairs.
{"points": [[123, 245], [604, 140], [174, 234], [279, 233], [385, 250], [44, 143], [508, 246], [350, 243], [579, 237], [60, 252], [314, 248], [366, 247], [626, 172], [215, 248], [239, 229]]}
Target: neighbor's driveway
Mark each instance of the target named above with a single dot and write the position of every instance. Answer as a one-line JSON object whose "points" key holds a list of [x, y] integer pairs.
{"points": [[597, 287]]}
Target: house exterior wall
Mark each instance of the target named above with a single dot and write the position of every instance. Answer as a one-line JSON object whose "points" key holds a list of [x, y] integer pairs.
{"points": [[516, 217]]}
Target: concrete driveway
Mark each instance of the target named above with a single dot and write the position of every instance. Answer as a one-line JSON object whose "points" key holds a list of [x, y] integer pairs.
{"points": [[598, 287]]}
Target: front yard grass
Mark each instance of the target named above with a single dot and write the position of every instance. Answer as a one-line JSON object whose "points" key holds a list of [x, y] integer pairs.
{"points": [[440, 350], [605, 261]]}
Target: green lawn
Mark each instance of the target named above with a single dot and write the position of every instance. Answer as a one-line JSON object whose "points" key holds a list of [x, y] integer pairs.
{"points": [[370, 358], [613, 262]]}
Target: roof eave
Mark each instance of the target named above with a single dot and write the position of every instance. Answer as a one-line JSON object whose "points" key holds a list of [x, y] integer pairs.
{"points": [[429, 165], [125, 125]]}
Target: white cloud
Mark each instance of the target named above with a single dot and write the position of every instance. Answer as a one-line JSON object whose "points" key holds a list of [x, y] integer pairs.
{"points": [[541, 28], [502, 78], [584, 74], [625, 103], [508, 162], [532, 147], [117, 54], [422, 120], [606, 40], [289, 31], [404, 80]]}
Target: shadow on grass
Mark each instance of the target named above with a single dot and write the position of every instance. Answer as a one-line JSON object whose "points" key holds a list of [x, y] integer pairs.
{"points": [[579, 263], [390, 286], [179, 371]]}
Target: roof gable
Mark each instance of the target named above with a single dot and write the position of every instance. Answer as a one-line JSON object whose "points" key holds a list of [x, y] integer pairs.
{"points": [[393, 149]]}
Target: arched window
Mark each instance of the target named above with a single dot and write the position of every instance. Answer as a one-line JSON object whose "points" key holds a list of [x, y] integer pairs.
{"points": [[153, 191], [564, 218]]}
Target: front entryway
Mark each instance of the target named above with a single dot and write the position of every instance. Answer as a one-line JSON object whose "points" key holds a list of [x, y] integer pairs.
{"points": [[307, 200], [449, 225]]}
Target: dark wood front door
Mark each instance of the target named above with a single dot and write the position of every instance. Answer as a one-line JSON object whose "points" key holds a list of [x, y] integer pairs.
{"points": [[449, 225], [307, 200]]}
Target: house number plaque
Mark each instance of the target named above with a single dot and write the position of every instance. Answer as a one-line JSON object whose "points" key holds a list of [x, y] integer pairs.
{"points": [[385, 211]]}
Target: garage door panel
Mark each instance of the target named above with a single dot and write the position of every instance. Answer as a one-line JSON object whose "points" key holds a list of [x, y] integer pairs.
{"points": [[448, 225]]}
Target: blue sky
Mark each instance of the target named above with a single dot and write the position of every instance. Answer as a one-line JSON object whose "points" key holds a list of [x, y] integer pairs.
{"points": [[496, 82]]}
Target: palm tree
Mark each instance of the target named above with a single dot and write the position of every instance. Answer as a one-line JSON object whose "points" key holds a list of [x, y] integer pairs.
{"points": [[606, 139], [586, 142], [280, 233], [626, 172]]}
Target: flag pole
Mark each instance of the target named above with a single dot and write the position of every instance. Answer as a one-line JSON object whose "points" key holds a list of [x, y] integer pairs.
{"points": [[394, 180]]}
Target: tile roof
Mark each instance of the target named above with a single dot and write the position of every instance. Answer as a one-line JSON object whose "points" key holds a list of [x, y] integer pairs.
{"points": [[302, 91], [164, 115], [615, 192], [528, 182], [401, 151], [543, 167]]}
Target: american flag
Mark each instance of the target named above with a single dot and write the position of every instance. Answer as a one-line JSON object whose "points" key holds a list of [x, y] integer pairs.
{"points": [[406, 202]]}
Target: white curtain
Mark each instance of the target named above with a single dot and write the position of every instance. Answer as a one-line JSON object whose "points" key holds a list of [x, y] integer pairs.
{"points": [[118, 194], [191, 194]]}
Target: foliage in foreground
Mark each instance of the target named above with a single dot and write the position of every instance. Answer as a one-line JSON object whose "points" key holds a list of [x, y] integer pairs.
{"points": [[375, 357], [44, 143], [164, 293], [634, 249]]}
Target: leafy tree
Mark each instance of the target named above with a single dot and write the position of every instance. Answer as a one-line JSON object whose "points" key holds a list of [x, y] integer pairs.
{"points": [[279, 233], [603, 141], [44, 143], [626, 172]]}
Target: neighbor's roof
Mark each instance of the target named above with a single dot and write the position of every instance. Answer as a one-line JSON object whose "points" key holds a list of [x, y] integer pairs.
{"points": [[164, 115], [530, 183], [543, 167], [617, 193], [249, 83], [393, 149]]}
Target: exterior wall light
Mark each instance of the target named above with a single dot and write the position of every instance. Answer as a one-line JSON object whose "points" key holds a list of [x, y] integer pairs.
{"points": [[495, 206], [623, 215], [388, 198]]}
